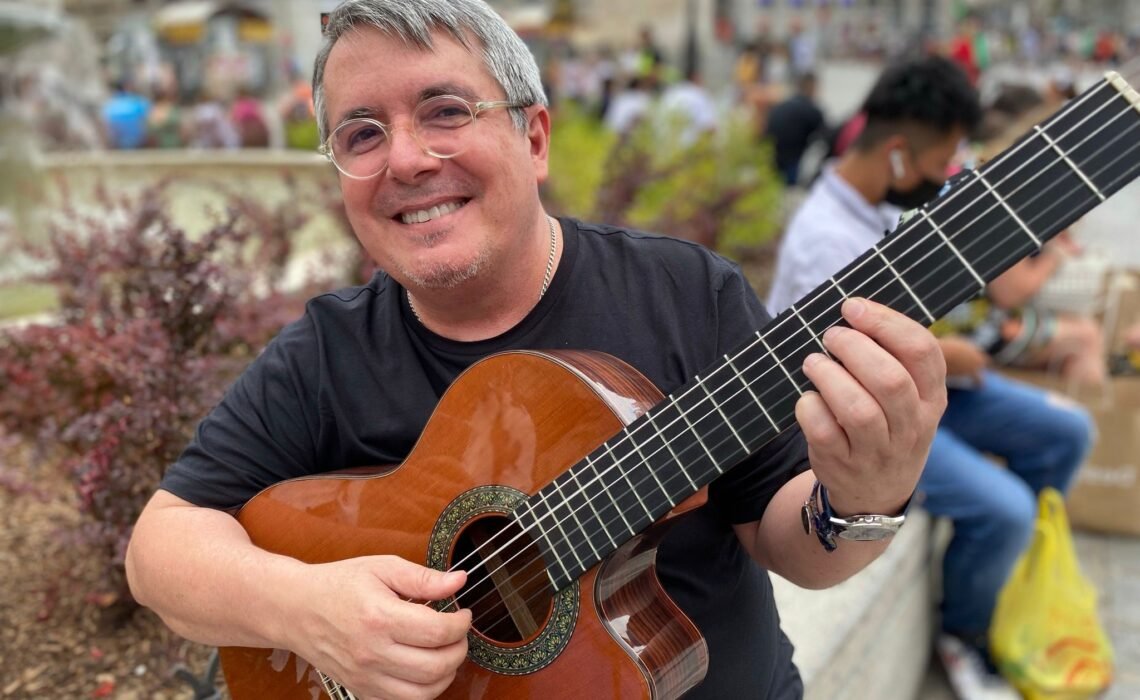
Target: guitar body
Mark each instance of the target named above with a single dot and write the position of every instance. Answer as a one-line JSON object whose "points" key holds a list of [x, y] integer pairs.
{"points": [[507, 427]]}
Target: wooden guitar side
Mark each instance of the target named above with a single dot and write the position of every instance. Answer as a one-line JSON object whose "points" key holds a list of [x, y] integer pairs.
{"points": [[516, 419]]}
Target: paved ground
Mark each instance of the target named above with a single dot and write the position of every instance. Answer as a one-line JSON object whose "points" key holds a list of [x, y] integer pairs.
{"points": [[1113, 564]]}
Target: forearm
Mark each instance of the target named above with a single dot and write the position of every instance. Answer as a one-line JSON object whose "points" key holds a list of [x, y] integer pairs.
{"points": [[197, 569], [780, 544], [1010, 291]]}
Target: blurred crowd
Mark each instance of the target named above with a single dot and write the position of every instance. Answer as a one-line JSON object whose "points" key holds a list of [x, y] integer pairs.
{"points": [[775, 80], [772, 79], [155, 116]]}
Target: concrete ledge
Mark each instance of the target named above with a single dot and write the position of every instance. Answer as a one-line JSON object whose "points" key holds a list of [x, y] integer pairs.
{"points": [[869, 637]]}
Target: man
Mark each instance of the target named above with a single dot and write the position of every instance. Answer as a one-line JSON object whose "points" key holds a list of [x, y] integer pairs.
{"points": [[916, 115], [473, 265], [792, 124], [687, 110]]}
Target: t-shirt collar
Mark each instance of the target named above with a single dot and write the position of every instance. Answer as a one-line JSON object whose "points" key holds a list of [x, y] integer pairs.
{"points": [[883, 217]]}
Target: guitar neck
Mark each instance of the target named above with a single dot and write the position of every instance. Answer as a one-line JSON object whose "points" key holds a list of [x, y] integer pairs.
{"points": [[942, 255]]}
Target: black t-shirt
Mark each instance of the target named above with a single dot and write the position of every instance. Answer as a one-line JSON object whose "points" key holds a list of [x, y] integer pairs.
{"points": [[354, 381]]}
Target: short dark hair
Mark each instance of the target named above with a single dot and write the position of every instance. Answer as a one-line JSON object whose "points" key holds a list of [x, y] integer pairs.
{"points": [[930, 94]]}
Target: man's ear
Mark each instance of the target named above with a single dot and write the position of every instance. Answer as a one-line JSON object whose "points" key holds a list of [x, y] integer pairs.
{"points": [[538, 135]]}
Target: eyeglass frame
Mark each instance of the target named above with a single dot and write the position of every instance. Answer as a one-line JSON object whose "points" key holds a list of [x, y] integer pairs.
{"points": [[475, 108]]}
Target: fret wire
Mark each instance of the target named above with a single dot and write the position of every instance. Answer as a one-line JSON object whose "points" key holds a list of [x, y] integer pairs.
{"points": [[906, 286], [981, 178], [668, 446], [605, 488], [574, 514], [953, 248], [589, 502], [1065, 157], [653, 473], [839, 289], [755, 398], [693, 430], [542, 532], [780, 364], [720, 410], [565, 537], [625, 475], [796, 313]]}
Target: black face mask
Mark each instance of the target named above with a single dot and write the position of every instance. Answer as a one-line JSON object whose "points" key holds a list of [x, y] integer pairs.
{"points": [[925, 191]]}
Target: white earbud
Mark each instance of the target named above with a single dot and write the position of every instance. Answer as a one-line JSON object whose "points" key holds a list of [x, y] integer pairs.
{"points": [[896, 164]]}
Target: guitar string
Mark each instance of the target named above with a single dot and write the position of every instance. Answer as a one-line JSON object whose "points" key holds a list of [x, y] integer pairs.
{"points": [[670, 478], [454, 601], [1014, 257], [574, 511], [903, 295], [885, 248], [618, 462]]}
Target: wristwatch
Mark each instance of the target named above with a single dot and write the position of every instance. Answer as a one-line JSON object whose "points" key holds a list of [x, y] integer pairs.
{"points": [[818, 517]]}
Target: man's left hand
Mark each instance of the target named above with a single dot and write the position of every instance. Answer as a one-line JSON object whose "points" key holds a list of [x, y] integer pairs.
{"points": [[871, 420]]}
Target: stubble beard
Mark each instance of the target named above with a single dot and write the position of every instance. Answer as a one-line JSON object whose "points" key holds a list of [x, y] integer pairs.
{"points": [[447, 276]]}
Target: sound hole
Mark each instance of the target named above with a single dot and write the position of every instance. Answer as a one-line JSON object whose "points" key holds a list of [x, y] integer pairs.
{"points": [[508, 590]]}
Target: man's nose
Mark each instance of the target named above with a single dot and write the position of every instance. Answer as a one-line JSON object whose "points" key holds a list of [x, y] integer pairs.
{"points": [[408, 159]]}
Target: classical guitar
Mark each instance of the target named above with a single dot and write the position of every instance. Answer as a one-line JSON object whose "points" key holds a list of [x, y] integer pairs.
{"points": [[552, 477]]}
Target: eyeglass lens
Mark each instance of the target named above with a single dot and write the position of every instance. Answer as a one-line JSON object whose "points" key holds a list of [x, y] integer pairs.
{"points": [[360, 147]]}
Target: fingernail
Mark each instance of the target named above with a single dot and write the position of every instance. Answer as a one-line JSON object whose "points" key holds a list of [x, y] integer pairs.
{"points": [[833, 333], [813, 359], [854, 308]]}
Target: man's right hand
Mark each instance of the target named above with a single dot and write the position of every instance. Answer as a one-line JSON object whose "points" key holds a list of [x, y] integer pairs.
{"points": [[361, 631]]}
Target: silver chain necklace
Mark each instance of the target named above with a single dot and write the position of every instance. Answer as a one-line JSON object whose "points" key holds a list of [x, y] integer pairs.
{"points": [[545, 277]]}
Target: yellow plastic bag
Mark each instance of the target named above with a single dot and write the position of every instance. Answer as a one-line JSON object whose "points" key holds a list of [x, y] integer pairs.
{"points": [[1046, 636]]}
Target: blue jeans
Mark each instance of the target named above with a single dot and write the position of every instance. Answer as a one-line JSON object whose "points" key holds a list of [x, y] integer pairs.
{"points": [[1042, 441]]}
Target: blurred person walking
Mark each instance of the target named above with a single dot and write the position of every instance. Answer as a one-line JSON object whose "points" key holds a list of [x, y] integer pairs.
{"points": [[793, 125]]}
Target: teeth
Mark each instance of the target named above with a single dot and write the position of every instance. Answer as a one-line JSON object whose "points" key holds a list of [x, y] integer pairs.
{"points": [[425, 215]]}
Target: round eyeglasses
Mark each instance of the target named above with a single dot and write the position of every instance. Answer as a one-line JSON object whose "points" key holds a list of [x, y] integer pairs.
{"points": [[440, 125]]}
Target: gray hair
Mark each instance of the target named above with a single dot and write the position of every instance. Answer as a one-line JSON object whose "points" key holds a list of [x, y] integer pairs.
{"points": [[506, 57]]}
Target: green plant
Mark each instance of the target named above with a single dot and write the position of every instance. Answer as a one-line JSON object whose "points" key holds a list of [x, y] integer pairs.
{"points": [[720, 190], [152, 325], [579, 147]]}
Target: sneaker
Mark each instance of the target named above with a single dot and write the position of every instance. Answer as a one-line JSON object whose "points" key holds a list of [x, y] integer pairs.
{"points": [[970, 675]]}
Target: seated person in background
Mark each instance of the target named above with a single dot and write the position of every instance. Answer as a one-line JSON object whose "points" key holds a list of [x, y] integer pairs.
{"points": [[916, 114], [1007, 323], [1015, 333]]}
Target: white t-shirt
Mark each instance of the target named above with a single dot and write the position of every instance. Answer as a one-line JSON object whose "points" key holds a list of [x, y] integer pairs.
{"points": [[832, 227]]}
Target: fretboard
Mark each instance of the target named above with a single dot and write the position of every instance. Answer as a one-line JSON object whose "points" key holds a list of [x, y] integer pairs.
{"points": [[943, 255]]}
